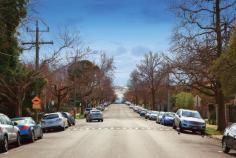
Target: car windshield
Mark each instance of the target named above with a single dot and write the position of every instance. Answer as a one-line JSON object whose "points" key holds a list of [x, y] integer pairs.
{"points": [[20, 121], [95, 112], [169, 114], [233, 128], [50, 116], [194, 114]]}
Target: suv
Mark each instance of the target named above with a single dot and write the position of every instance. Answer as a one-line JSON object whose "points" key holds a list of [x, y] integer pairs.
{"points": [[189, 120], [94, 115], [9, 133]]}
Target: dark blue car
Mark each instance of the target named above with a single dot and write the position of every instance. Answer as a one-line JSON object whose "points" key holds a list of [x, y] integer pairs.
{"points": [[168, 118], [28, 128]]}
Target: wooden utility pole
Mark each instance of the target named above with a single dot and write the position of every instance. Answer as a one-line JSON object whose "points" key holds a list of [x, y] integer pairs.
{"points": [[37, 43]]}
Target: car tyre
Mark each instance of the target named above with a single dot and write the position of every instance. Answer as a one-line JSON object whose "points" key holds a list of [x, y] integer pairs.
{"points": [[32, 139], [4, 147], [174, 127], [18, 140], [41, 134], [102, 120], [224, 147], [180, 128]]}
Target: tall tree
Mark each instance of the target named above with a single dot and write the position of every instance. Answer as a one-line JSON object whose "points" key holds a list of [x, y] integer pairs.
{"points": [[200, 39], [11, 14], [225, 68], [149, 71]]}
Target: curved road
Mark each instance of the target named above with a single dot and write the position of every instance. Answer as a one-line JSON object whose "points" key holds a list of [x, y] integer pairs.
{"points": [[123, 134]]}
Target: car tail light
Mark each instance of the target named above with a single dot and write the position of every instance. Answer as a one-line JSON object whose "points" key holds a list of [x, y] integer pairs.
{"points": [[24, 127]]}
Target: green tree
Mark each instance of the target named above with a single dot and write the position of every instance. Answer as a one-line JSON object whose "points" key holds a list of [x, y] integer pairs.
{"points": [[12, 12], [184, 100], [225, 68]]}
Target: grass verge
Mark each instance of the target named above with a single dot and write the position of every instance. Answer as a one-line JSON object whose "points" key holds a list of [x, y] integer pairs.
{"points": [[79, 116], [212, 131]]}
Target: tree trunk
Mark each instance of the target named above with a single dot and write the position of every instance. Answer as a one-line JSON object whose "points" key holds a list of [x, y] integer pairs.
{"points": [[153, 98], [221, 120]]}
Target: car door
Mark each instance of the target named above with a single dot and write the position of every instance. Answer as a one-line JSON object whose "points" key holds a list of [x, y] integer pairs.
{"points": [[12, 134]]}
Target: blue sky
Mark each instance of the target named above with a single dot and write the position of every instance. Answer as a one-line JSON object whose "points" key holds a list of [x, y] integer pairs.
{"points": [[124, 29]]}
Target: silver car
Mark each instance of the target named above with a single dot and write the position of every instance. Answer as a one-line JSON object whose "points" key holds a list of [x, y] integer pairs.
{"points": [[54, 121], [189, 120], [9, 133], [94, 115]]}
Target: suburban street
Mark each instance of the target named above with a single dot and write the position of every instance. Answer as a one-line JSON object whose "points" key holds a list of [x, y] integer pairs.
{"points": [[123, 134]]}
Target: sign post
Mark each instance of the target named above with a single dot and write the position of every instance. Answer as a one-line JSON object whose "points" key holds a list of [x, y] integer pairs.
{"points": [[36, 104]]}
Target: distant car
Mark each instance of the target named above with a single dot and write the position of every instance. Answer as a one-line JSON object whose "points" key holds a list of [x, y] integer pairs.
{"points": [[28, 128], [9, 133], [168, 118], [229, 138], [86, 111], [159, 116], [54, 121], [70, 118], [189, 120], [143, 112], [101, 108], [153, 115], [147, 115], [94, 115]]}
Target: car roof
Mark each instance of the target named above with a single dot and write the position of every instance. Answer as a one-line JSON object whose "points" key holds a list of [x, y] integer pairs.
{"points": [[22, 118], [189, 110]]}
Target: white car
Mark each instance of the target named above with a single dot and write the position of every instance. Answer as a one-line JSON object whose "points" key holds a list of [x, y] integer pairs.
{"points": [[189, 120], [54, 121], [9, 133]]}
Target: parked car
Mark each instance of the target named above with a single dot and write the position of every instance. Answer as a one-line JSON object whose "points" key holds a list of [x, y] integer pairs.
{"points": [[159, 116], [153, 115], [28, 128], [94, 115], [143, 112], [100, 107], [86, 111], [9, 133], [147, 115], [54, 121], [229, 138], [189, 120], [168, 118], [70, 118]]}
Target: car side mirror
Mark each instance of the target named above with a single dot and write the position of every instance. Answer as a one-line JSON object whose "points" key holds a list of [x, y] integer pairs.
{"points": [[14, 123]]}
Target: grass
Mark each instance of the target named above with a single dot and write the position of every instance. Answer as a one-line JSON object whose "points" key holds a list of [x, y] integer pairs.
{"points": [[212, 131], [79, 116]]}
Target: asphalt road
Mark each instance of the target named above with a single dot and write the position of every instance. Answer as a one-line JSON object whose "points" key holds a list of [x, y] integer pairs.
{"points": [[123, 134]]}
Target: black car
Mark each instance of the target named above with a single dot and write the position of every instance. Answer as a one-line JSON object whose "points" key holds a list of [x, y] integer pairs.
{"points": [[229, 138], [70, 118]]}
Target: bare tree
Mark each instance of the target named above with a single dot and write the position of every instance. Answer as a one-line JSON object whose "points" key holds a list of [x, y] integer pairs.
{"points": [[200, 39]]}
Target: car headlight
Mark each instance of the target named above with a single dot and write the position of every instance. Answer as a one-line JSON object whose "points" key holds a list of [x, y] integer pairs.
{"points": [[185, 122]]}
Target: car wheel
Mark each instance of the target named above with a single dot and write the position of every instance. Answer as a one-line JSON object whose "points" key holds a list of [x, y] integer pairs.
{"points": [[174, 127], [102, 120], [180, 128], [41, 134], [224, 147], [18, 140], [32, 139], [4, 147]]}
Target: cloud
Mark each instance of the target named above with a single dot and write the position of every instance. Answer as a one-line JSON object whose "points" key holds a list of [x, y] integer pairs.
{"points": [[139, 50]]}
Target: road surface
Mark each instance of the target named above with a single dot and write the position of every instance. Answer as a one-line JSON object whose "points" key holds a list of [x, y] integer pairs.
{"points": [[123, 134]]}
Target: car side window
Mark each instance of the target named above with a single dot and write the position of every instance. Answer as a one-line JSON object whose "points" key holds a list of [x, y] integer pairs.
{"points": [[2, 121], [7, 120]]}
